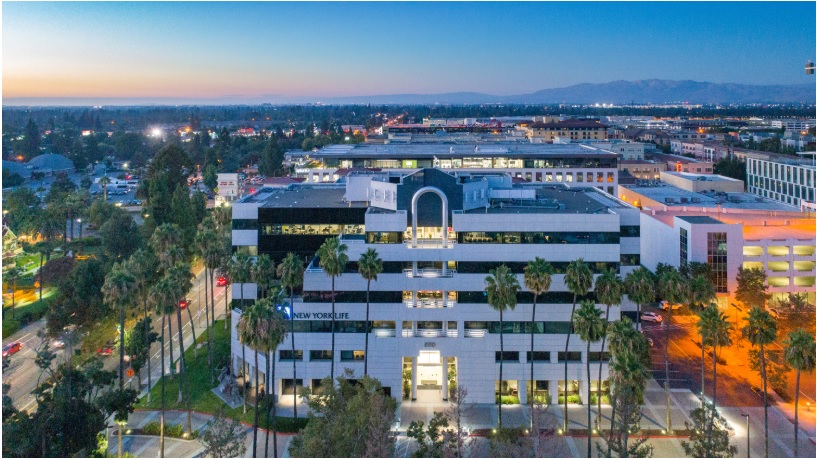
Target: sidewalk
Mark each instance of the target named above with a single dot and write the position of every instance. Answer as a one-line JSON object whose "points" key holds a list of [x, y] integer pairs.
{"points": [[148, 446]]}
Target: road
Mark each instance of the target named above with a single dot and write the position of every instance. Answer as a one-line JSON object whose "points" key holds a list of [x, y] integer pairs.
{"points": [[23, 374]]}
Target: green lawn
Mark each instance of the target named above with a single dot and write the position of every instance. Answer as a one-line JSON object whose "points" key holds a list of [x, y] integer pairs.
{"points": [[203, 399], [25, 311]]}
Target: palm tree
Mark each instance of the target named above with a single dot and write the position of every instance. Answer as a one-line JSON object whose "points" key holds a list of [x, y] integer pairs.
{"points": [[204, 239], [263, 273], [240, 269], [162, 297], [143, 267], [715, 332], [640, 289], [697, 294], [609, 291], [501, 286], [275, 331], [799, 352], [671, 286], [251, 332], [103, 182], [537, 280], [628, 378], [590, 327], [12, 275], [761, 330], [579, 280], [369, 266], [118, 291], [167, 242], [181, 276], [291, 272], [333, 259]]}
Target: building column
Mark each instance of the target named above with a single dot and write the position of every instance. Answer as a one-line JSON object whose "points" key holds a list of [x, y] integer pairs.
{"points": [[414, 378], [553, 387], [445, 378], [522, 391]]}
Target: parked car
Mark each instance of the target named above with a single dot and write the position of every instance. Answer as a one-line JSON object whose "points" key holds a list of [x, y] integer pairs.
{"points": [[11, 348], [221, 281], [650, 316], [58, 344], [106, 350], [665, 305]]}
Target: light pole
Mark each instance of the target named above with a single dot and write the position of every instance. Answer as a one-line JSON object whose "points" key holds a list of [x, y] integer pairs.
{"points": [[748, 446], [737, 328]]}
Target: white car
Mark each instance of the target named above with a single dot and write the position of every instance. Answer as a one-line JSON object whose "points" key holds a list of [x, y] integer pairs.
{"points": [[665, 305], [650, 316]]}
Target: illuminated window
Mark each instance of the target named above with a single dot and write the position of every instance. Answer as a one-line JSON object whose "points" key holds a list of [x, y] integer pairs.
{"points": [[779, 281], [777, 250], [803, 266], [716, 258], [750, 265], [778, 266], [804, 281], [804, 250], [752, 251]]}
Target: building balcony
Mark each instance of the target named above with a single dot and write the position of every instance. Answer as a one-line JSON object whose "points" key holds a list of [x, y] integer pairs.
{"points": [[429, 243], [428, 333], [429, 303], [429, 273], [383, 333], [476, 333]]}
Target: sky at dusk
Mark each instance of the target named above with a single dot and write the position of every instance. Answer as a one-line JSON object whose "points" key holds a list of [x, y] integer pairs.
{"points": [[240, 50]]}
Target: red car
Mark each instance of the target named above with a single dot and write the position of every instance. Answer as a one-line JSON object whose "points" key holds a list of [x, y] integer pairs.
{"points": [[11, 348], [184, 303], [105, 351], [221, 281]]}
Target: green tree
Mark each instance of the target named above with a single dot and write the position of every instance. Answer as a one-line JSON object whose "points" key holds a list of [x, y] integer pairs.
{"points": [[272, 159], [333, 260], [715, 331], [11, 276], [761, 330], [671, 286], [640, 289], [167, 172], [431, 441], [181, 277], [118, 291], [142, 264], [223, 438], [263, 274], [752, 287], [715, 445], [111, 233], [350, 420], [210, 178], [799, 352], [137, 345], [240, 269], [22, 211], [501, 287], [291, 273], [204, 241], [162, 295], [699, 292], [31, 140], [609, 291], [579, 280], [590, 327], [273, 332], [538, 276], [369, 266]]}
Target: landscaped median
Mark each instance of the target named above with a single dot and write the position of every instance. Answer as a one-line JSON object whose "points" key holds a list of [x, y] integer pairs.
{"points": [[202, 398]]}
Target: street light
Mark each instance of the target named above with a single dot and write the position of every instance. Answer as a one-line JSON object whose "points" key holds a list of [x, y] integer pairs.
{"points": [[748, 446]]}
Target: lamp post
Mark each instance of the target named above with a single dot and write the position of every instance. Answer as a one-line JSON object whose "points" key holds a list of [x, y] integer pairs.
{"points": [[737, 328], [748, 446]]}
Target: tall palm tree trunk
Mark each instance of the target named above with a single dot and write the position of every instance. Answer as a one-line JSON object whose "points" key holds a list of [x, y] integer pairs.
{"points": [[244, 372], [796, 413], [567, 347], [181, 352], [255, 416], [13, 291], [145, 302], [666, 369], [292, 339], [186, 379], [192, 330], [532, 382], [703, 372], [332, 365], [274, 414], [226, 308], [366, 348], [601, 363], [207, 328], [589, 423], [715, 372], [162, 420], [765, 404], [267, 385], [501, 360], [170, 346], [121, 346], [40, 272]]}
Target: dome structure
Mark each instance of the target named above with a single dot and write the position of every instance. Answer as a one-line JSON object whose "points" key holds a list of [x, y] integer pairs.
{"points": [[51, 163]]}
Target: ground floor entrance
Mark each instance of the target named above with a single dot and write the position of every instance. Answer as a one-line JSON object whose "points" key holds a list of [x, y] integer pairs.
{"points": [[428, 377]]}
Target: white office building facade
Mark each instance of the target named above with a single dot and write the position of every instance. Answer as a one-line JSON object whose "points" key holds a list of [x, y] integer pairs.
{"points": [[787, 181], [430, 327]]}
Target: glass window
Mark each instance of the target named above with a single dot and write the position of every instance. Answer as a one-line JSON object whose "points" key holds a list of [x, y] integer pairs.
{"points": [[548, 177], [571, 356], [352, 355], [599, 177], [579, 177], [610, 177], [507, 356], [320, 355], [538, 356], [717, 259], [286, 355]]}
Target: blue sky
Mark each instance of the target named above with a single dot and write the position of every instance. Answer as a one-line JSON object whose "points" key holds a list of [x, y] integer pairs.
{"points": [[223, 49]]}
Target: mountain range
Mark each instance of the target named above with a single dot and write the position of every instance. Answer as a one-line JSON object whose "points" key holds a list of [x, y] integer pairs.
{"points": [[616, 92]]}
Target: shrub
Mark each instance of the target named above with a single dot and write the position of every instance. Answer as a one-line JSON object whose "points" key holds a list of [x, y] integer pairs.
{"points": [[171, 431], [507, 399], [10, 326], [571, 399]]}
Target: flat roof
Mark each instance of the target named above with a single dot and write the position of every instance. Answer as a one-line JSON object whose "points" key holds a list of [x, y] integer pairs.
{"points": [[700, 220], [736, 200], [554, 200], [303, 196], [498, 149], [701, 177]]}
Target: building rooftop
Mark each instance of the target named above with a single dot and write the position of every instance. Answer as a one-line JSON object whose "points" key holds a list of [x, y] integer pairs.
{"points": [[389, 151], [676, 197], [701, 177], [700, 220], [553, 199], [302, 196]]}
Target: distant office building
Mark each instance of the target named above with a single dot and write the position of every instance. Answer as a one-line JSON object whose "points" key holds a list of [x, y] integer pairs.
{"points": [[575, 130], [794, 124], [228, 188], [784, 179]]}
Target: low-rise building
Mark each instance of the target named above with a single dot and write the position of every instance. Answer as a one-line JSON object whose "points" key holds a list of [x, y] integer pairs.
{"points": [[781, 178], [575, 130]]}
